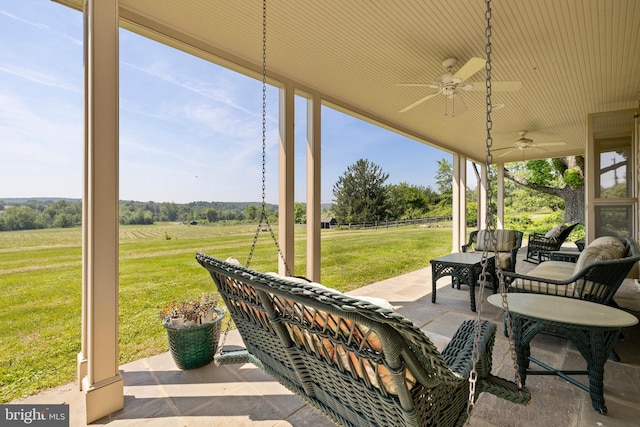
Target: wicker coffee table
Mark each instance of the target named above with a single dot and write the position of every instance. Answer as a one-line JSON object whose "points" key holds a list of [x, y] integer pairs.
{"points": [[464, 268], [592, 328]]}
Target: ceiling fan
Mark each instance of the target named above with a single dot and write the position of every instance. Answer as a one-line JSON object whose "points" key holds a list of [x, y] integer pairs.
{"points": [[450, 85], [524, 143]]}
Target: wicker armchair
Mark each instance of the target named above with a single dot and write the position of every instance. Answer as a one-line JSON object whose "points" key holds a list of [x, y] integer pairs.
{"points": [[551, 241], [356, 362], [508, 242]]}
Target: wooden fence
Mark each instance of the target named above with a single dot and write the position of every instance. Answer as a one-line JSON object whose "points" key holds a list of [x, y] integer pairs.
{"points": [[429, 222]]}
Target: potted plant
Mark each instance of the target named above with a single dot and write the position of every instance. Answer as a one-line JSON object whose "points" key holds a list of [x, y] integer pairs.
{"points": [[193, 328]]}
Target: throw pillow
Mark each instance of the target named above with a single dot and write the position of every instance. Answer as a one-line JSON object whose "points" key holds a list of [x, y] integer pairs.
{"points": [[593, 254], [555, 232], [610, 241]]}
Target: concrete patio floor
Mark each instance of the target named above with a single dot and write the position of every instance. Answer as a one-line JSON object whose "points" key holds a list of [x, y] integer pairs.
{"points": [[157, 393]]}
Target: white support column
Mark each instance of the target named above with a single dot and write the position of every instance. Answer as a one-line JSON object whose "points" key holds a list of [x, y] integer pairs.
{"points": [[459, 183], [500, 196], [82, 356], [102, 384], [286, 181], [314, 136], [482, 197]]}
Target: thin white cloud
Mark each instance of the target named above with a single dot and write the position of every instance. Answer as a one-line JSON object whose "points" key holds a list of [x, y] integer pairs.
{"points": [[190, 84], [43, 27], [38, 25], [40, 78]]}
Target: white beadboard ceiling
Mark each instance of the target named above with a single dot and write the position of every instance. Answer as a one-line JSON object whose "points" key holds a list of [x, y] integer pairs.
{"points": [[573, 57]]}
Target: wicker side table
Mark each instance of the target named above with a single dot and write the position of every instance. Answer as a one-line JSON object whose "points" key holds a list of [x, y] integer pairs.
{"points": [[593, 328], [464, 268], [566, 256]]}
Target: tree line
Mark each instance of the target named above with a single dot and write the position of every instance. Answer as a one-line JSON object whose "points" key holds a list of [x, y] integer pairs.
{"points": [[45, 213]]}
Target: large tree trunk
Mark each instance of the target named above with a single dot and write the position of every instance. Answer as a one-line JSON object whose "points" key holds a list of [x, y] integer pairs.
{"points": [[573, 204], [573, 197]]}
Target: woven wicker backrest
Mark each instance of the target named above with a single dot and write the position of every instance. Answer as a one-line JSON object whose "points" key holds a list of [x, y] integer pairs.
{"points": [[357, 362]]}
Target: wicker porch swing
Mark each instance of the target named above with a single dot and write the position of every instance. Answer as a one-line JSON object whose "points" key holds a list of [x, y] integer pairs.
{"points": [[358, 363]]}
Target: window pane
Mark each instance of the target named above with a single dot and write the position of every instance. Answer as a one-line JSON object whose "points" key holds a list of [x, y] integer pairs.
{"points": [[614, 221], [615, 179]]}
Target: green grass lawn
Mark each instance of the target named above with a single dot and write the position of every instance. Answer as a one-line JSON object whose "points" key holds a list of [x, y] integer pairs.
{"points": [[40, 279]]}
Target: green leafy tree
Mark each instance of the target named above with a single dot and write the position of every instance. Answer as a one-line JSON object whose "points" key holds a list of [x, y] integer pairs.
{"points": [[562, 177], [444, 177], [63, 214], [252, 212], [169, 212], [299, 213], [408, 201], [212, 215], [22, 218], [360, 194]]}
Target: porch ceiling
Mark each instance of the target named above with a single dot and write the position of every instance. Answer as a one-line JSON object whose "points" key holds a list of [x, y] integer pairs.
{"points": [[573, 57]]}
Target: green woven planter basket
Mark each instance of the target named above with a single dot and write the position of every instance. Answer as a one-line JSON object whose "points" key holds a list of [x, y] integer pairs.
{"points": [[194, 346]]}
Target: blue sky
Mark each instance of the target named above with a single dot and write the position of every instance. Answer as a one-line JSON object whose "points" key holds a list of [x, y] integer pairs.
{"points": [[189, 130]]}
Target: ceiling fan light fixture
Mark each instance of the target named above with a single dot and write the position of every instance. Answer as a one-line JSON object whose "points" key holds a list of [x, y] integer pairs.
{"points": [[449, 91], [449, 62]]}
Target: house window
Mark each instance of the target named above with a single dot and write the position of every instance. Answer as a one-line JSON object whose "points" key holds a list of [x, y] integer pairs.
{"points": [[614, 221], [613, 165], [612, 187]]}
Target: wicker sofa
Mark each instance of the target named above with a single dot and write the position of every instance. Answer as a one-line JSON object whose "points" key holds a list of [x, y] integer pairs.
{"points": [[596, 276], [360, 364], [508, 243]]}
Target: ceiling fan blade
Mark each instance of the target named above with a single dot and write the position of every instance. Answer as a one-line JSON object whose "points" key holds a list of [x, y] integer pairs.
{"points": [[503, 148], [458, 106], [550, 144], [418, 102], [504, 86], [508, 152], [470, 68]]}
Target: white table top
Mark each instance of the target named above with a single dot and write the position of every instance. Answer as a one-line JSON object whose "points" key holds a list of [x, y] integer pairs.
{"points": [[565, 310]]}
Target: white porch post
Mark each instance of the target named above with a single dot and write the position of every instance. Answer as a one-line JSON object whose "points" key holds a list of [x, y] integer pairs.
{"points": [[101, 383], [500, 196], [482, 197], [314, 136], [459, 183], [82, 356], [286, 217]]}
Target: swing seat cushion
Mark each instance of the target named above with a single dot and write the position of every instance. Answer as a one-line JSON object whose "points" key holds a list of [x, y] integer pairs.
{"points": [[356, 361]]}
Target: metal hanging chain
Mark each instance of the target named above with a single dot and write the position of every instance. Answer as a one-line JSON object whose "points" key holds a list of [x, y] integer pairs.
{"points": [[489, 238], [220, 350], [263, 212]]}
